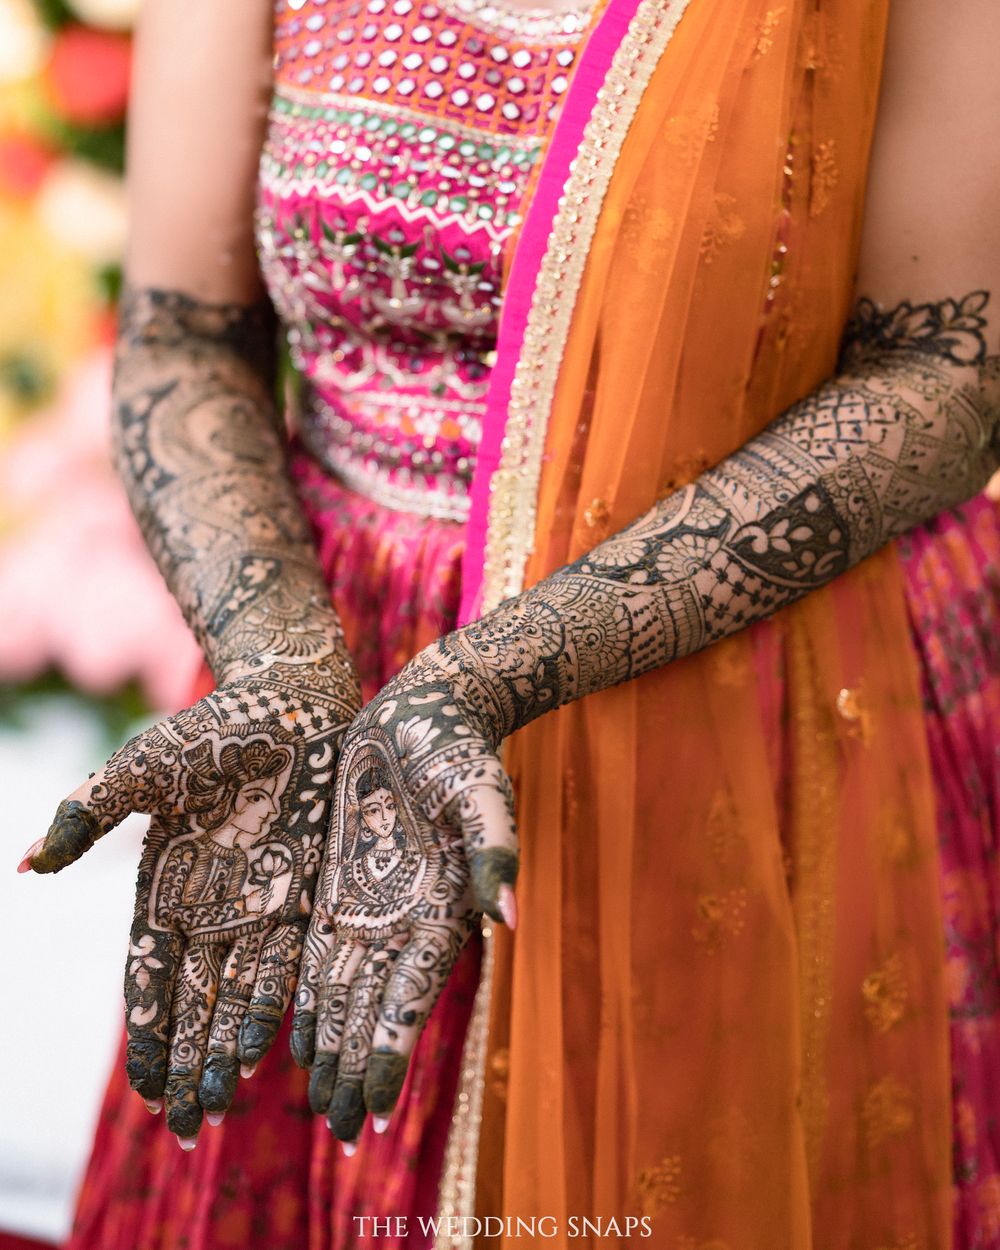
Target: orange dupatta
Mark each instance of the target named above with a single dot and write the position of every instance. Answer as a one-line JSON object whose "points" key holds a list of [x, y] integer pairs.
{"points": [[723, 1009]]}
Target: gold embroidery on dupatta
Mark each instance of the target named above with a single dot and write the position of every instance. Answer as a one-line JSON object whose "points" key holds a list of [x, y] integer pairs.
{"points": [[885, 993], [660, 1186], [514, 486], [888, 1111], [813, 822]]}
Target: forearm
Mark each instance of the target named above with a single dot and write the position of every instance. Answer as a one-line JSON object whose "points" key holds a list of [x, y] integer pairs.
{"points": [[907, 428], [200, 451]]}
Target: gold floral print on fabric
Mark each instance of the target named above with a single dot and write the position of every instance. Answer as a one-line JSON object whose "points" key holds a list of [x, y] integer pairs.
{"points": [[896, 840], [731, 665], [852, 707], [825, 175], [646, 233], [596, 516], [721, 916], [885, 994], [499, 1071], [724, 226], [722, 829], [766, 27], [686, 134], [659, 1186], [888, 1112]]}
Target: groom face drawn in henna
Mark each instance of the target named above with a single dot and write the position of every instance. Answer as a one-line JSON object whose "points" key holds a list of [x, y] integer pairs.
{"points": [[213, 879]]}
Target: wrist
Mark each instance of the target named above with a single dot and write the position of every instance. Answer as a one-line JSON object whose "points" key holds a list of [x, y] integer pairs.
{"points": [[314, 660], [512, 665]]}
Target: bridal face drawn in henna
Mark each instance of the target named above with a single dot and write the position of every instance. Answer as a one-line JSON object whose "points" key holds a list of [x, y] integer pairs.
{"points": [[239, 786]]}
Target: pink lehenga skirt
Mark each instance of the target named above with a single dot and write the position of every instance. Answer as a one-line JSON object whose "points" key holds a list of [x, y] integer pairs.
{"points": [[271, 1176]]}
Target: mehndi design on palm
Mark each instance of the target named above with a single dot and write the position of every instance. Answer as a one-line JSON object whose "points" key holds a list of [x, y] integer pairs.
{"points": [[239, 789], [400, 890]]}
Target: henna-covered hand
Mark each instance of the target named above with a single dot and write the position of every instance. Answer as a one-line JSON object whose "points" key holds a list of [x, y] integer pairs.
{"points": [[239, 785], [239, 788], [423, 832], [422, 842]]}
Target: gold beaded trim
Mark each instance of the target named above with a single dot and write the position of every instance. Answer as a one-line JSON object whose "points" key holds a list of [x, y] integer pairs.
{"points": [[514, 485]]}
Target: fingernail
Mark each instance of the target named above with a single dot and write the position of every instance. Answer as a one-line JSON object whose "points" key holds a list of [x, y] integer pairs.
{"points": [[215, 1118], [187, 1143], [507, 906], [349, 1147], [247, 1070], [380, 1123], [153, 1106], [25, 864]]}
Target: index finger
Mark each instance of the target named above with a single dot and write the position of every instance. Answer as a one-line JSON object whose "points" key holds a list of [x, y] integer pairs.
{"points": [[417, 979]]}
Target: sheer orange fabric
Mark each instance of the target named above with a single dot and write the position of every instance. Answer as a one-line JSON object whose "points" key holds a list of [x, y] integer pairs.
{"points": [[724, 1008]]}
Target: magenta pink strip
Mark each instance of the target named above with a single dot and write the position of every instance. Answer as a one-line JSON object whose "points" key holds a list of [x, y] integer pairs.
{"points": [[588, 76]]}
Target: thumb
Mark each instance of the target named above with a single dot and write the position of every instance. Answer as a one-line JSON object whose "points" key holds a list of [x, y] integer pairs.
{"points": [[484, 812], [133, 780]]}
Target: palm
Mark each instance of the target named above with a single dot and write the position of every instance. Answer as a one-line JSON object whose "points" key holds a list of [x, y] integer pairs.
{"points": [[238, 787], [421, 803]]}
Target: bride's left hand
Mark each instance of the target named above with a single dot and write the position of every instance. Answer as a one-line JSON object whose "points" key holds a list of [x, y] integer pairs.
{"points": [[422, 843]]}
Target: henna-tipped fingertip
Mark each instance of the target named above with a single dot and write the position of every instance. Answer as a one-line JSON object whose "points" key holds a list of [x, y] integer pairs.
{"points": [[218, 1083], [490, 868], [347, 1110], [322, 1082], [72, 833], [384, 1077], [145, 1068], [302, 1042], [26, 858], [257, 1033]]}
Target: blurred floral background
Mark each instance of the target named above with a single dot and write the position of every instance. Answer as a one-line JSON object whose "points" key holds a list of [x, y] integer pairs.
{"points": [[91, 645]]}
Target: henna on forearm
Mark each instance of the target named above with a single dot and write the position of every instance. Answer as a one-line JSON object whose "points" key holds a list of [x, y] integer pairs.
{"points": [[907, 428], [200, 449], [239, 785]]}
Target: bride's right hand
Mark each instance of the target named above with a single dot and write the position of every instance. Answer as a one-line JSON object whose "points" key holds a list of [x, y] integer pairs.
{"points": [[238, 787]]}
